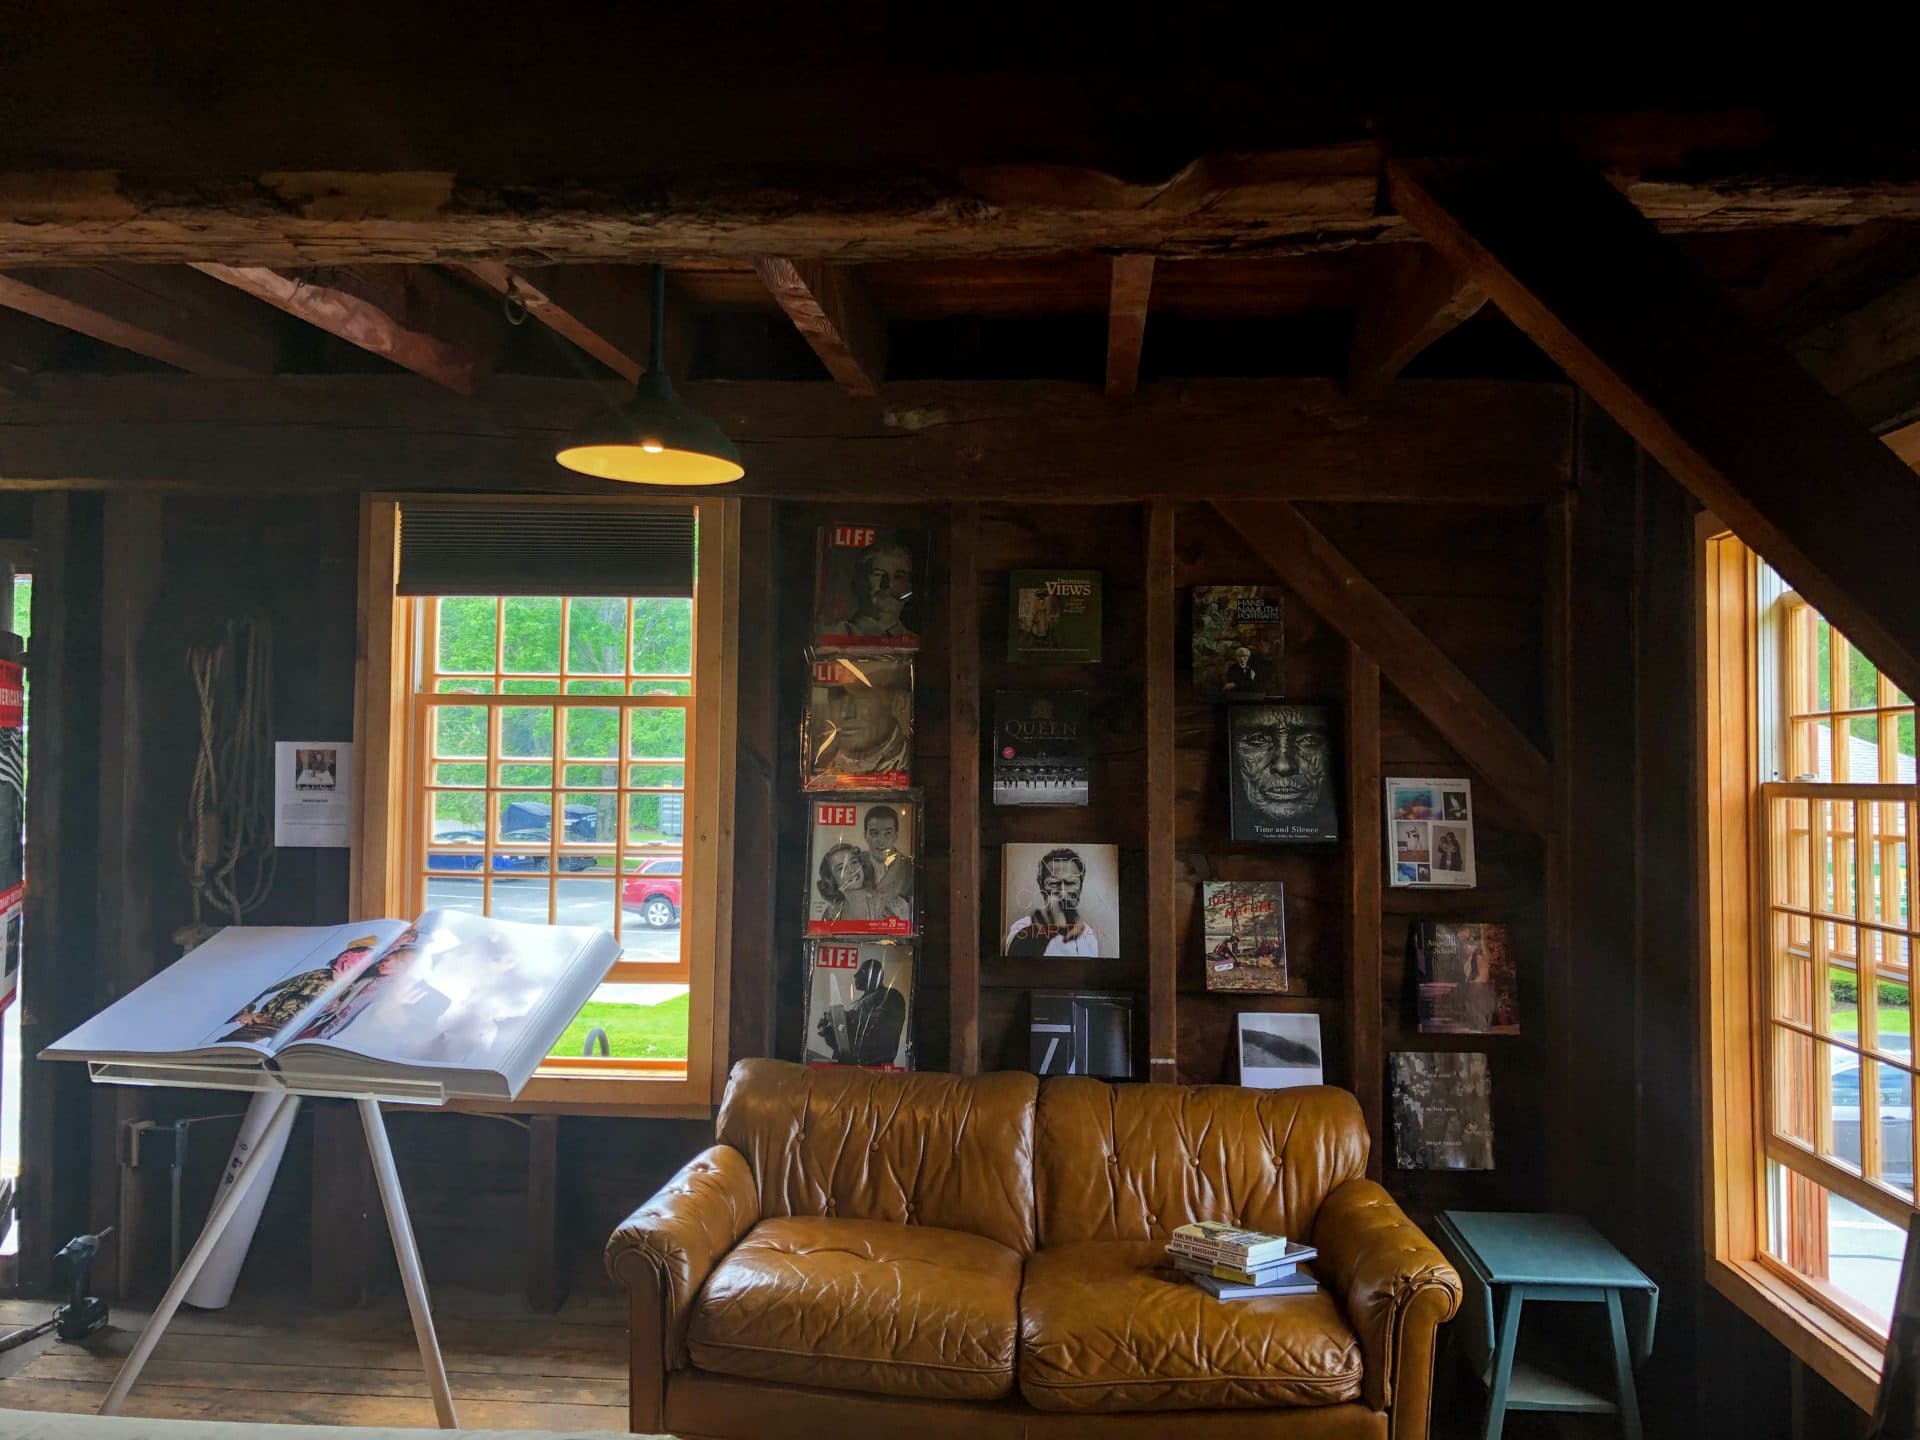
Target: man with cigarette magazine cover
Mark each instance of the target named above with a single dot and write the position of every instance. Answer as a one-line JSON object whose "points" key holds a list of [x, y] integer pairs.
{"points": [[860, 723], [871, 1028], [1055, 925], [864, 590], [1281, 772]]}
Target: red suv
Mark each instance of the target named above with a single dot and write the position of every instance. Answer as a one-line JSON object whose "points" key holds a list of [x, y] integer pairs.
{"points": [[654, 890]]}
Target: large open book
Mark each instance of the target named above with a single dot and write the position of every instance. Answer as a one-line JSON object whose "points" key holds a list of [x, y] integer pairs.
{"points": [[452, 1006]]}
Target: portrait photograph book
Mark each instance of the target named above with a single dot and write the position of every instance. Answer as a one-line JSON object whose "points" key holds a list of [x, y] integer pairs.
{"points": [[452, 1006]]}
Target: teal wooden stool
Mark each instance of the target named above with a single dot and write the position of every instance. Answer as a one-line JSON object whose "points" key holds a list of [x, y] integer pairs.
{"points": [[1506, 1260]]}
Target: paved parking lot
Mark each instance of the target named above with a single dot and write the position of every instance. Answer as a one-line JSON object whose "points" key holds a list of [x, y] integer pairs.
{"points": [[579, 902]]}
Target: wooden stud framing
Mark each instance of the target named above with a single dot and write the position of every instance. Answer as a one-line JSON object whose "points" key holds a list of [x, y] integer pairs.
{"points": [[1163, 941], [173, 316], [546, 1229], [602, 309], [1484, 737], [1365, 852], [963, 791], [1418, 298], [1129, 292]]}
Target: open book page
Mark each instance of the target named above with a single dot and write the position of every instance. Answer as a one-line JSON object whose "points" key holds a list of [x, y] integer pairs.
{"points": [[237, 996], [463, 992]]}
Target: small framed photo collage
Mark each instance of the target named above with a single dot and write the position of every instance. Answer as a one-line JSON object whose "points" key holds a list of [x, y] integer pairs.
{"points": [[864, 821]]}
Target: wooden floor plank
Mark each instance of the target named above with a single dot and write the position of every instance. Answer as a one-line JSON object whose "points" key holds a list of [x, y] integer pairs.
{"points": [[510, 1366]]}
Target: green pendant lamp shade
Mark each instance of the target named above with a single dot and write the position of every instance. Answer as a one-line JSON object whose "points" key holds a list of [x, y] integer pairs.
{"points": [[654, 439]]}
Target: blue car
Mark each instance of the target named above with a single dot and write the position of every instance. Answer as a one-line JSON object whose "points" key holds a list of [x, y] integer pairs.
{"points": [[524, 823]]}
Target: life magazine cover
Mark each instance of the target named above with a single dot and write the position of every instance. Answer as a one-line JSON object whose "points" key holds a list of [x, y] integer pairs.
{"points": [[860, 1004], [1239, 641], [1246, 934], [866, 593], [861, 876], [857, 733]]}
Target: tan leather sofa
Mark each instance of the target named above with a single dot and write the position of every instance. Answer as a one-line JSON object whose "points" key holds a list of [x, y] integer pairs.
{"points": [[985, 1257]]}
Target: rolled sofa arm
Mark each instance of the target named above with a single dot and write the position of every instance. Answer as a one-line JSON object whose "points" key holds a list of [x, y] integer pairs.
{"points": [[663, 1253], [1398, 1290]]}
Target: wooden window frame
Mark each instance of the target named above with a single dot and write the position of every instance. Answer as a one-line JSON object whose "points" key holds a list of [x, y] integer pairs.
{"points": [[1740, 665], [390, 776]]}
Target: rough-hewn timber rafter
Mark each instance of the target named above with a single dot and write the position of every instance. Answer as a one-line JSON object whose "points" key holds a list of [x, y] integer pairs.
{"points": [[1315, 569], [1729, 413], [175, 317], [1417, 297], [1128, 293], [830, 307]]}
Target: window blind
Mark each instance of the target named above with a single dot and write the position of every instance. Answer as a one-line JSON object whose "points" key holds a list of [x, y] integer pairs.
{"points": [[537, 549]]}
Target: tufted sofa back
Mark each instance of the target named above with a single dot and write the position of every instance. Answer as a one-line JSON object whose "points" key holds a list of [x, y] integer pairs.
{"points": [[910, 1149], [1130, 1162]]}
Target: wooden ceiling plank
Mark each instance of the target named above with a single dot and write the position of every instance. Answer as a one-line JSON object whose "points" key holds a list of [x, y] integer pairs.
{"points": [[152, 311], [1849, 354], [1128, 294], [600, 308], [403, 313], [1729, 413], [1491, 443], [831, 308], [1417, 298], [1315, 569]]}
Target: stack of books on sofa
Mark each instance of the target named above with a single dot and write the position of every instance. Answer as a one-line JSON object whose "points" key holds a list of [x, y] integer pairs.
{"points": [[1234, 1264]]}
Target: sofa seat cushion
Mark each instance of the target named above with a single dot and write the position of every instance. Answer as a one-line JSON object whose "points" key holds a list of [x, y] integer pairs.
{"points": [[862, 1305], [1110, 1325]]}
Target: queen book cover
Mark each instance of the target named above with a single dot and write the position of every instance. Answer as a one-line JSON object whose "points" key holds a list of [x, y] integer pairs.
{"points": [[1041, 751], [1246, 934]]}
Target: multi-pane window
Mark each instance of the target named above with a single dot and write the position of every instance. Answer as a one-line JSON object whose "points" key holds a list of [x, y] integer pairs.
{"points": [[1835, 930], [551, 742]]}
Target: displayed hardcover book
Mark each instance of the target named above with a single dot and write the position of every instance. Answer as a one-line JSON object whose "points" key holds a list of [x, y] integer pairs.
{"points": [[1223, 1244], [860, 1004], [454, 1005], [1442, 1111], [1060, 900], [1053, 617], [1042, 750], [1281, 774], [860, 876], [1082, 1032], [866, 587], [1279, 1050], [1466, 977], [857, 732], [1239, 642], [13, 835], [1297, 1255], [1239, 1290], [1429, 833], [1245, 924]]}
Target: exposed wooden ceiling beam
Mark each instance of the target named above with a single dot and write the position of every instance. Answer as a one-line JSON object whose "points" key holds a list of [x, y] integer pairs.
{"points": [[603, 309], [1128, 293], [1905, 442], [1315, 568], [1869, 357], [831, 308], [1729, 413], [1489, 442], [1258, 204], [405, 314], [25, 346], [1416, 298], [167, 315]]}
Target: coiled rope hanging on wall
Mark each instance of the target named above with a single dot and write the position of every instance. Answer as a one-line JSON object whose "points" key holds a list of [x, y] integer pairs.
{"points": [[226, 842]]}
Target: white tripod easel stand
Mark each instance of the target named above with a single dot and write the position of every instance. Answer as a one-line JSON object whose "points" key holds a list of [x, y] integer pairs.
{"points": [[255, 1172]]}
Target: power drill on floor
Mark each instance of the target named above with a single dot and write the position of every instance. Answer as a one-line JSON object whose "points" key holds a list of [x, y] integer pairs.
{"points": [[83, 1313]]}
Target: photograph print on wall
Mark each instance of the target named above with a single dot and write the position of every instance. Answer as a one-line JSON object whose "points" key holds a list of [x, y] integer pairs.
{"points": [[1279, 1051]]}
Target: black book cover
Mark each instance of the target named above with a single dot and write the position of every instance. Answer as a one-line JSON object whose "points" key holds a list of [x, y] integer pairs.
{"points": [[1041, 751], [1280, 772]]}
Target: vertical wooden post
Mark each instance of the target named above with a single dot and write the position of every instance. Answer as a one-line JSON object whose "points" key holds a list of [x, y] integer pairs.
{"points": [[546, 1259], [756, 796], [344, 1206], [963, 791], [1563, 1146], [1365, 857], [1163, 951]]}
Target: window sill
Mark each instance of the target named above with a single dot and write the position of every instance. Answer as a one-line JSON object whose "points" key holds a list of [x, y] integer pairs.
{"points": [[1832, 1349]]}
